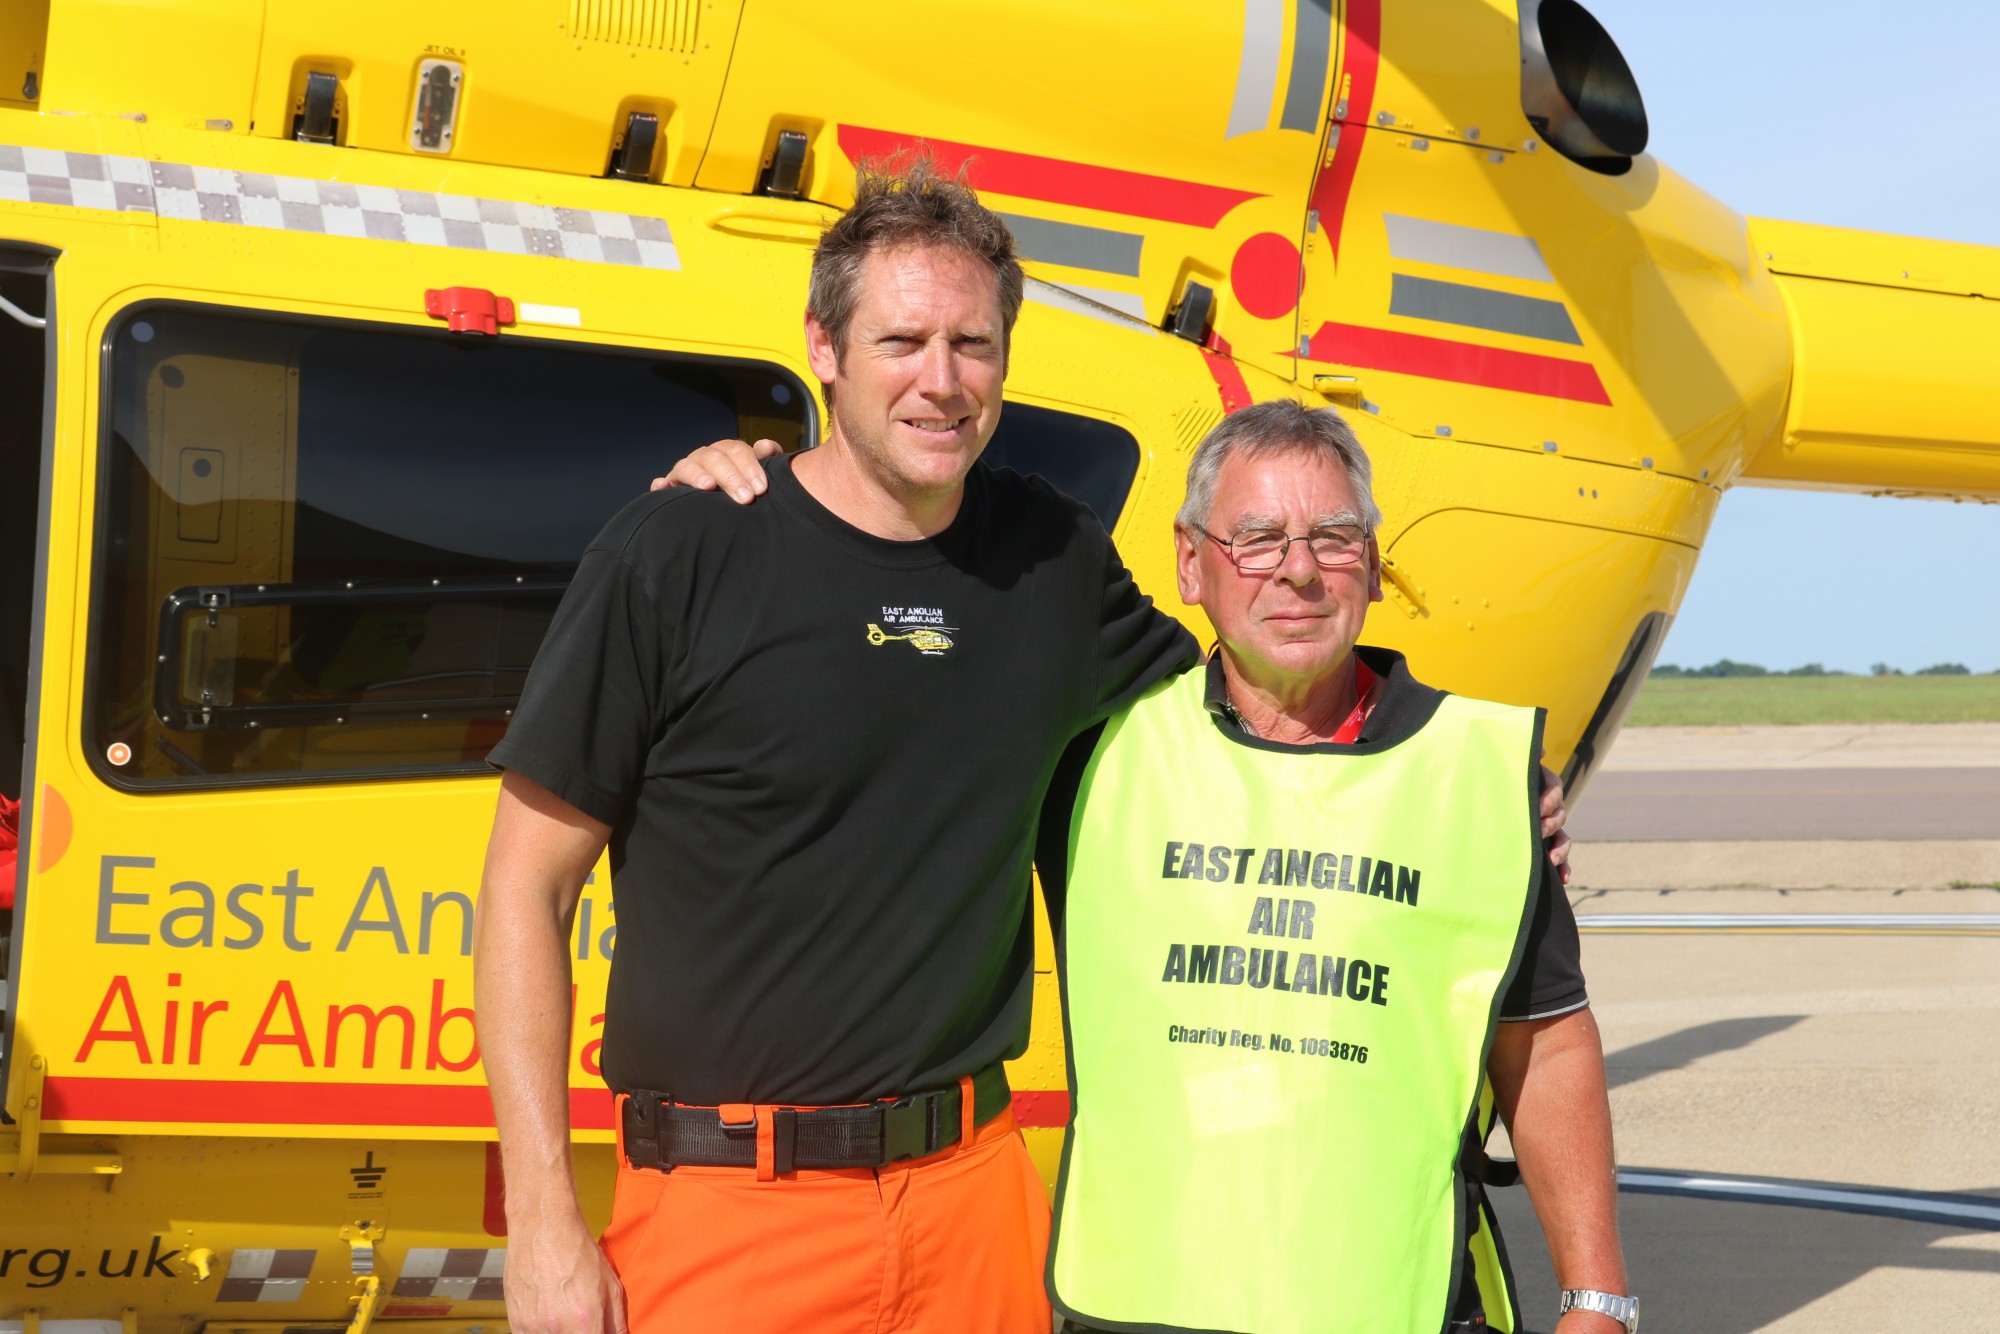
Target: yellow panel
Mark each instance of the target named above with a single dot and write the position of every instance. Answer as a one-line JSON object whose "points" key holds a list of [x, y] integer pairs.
{"points": [[1052, 94], [24, 30], [88, 1246], [1893, 392], [183, 65], [350, 963], [1475, 603], [1686, 336], [1056, 98], [1451, 70], [1809, 250], [548, 95]]}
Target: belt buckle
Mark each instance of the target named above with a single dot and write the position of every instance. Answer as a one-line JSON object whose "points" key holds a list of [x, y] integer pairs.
{"points": [[737, 1118], [905, 1128], [642, 1130]]}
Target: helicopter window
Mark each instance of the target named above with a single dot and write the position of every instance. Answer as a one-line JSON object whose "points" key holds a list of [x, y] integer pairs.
{"points": [[330, 549], [1089, 459]]}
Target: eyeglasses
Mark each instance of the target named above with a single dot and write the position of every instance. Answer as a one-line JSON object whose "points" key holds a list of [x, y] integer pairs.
{"points": [[1261, 550]]}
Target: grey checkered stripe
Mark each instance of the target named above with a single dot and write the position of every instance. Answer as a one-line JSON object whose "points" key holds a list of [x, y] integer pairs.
{"points": [[261, 1275], [461, 1274], [333, 208]]}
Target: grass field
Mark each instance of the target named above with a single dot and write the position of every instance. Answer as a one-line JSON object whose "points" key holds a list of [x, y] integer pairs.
{"points": [[1747, 700]]}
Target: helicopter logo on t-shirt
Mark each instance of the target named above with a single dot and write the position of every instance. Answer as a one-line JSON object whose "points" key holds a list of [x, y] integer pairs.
{"points": [[921, 626]]}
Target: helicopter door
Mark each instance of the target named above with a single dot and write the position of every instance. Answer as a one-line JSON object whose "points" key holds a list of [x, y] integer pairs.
{"points": [[24, 305]]}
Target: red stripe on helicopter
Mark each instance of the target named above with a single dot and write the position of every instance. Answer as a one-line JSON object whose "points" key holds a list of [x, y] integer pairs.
{"points": [[1041, 1109], [284, 1103], [493, 1211], [1053, 180], [1227, 374], [1465, 363], [1360, 54]]}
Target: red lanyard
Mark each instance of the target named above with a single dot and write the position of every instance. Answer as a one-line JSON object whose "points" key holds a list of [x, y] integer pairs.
{"points": [[1364, 682]]}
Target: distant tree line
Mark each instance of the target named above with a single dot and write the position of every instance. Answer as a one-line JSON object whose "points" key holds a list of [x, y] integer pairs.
{"points": [[1730, 667]]}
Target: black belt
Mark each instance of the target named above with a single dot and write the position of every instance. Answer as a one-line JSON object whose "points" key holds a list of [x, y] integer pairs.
{"points": [[663, 1135]]}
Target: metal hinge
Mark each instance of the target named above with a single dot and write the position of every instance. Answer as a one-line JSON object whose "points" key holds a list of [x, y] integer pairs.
{"points": [[1403, 591], [361, 1238], [27, 1157]]}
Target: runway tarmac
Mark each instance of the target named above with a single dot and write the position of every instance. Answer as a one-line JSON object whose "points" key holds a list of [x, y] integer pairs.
{"points": [[1794, 803], [1804, 1060]]}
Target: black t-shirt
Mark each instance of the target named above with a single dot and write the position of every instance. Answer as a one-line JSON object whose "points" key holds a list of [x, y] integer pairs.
{"points": [[821, 754], [1549, 981]]}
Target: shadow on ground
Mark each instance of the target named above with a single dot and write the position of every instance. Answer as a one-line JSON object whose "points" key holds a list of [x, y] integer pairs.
{"points": [[1678, 1050], [1723, 1267]]}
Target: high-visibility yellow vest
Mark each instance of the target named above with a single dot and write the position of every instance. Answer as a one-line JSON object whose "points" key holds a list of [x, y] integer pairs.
{"points": [[1282, 969]]}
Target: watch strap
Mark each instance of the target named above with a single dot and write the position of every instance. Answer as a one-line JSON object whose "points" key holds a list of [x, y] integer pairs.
{"points": [[1625, 1310]]}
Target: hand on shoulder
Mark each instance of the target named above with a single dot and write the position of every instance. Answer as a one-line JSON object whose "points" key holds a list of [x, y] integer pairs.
{"points": [[731, 466]]}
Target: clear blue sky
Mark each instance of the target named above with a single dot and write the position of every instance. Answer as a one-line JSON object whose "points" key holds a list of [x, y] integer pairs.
{"points": [[1880, 116]]}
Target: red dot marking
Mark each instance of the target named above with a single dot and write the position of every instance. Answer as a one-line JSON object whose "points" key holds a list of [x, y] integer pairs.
{"points": [[1265, 275]]}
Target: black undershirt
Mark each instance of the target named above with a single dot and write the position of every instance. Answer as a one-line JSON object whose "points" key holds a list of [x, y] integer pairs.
{"points": [[1550, 979], [822, 754]]}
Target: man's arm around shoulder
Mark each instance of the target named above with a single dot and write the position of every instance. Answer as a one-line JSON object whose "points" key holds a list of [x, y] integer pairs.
{"points": [[558, 1281]]}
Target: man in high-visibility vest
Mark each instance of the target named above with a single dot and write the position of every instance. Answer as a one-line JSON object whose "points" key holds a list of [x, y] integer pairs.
{"points": [[1305, 927]]}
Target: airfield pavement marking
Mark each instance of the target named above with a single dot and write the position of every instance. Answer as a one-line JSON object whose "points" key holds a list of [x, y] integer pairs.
{"points": [[1798, 923], [1806, 746], [1828, 803], [1971, 1211]]}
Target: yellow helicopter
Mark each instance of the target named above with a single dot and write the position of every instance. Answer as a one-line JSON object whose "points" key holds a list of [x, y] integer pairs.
{"points": [[329, 335]]}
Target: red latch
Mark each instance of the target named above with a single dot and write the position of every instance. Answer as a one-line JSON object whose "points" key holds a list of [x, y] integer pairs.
{"points": [[469, 309]]}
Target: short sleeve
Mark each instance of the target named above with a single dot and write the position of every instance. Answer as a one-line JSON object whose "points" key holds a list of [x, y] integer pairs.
{"points": [[1550, 980], [1138, 645], [1057, 814], [589, 711]]}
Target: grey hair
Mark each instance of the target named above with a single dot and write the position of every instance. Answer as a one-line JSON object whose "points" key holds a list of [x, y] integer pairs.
{"points": [[1270, 428]]}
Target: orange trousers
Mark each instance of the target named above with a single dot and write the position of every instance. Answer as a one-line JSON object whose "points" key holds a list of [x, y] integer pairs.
{"points": [[952, 1243]]}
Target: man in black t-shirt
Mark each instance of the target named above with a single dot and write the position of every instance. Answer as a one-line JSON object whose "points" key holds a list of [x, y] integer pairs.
{"points": [[813, 734]]}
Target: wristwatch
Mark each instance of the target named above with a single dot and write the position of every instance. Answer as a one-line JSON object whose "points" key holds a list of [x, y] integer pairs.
{"points": [[1625, 1310]]}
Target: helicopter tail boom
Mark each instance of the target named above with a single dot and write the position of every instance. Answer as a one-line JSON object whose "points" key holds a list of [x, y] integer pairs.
{"points": [[1892, 363]]}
